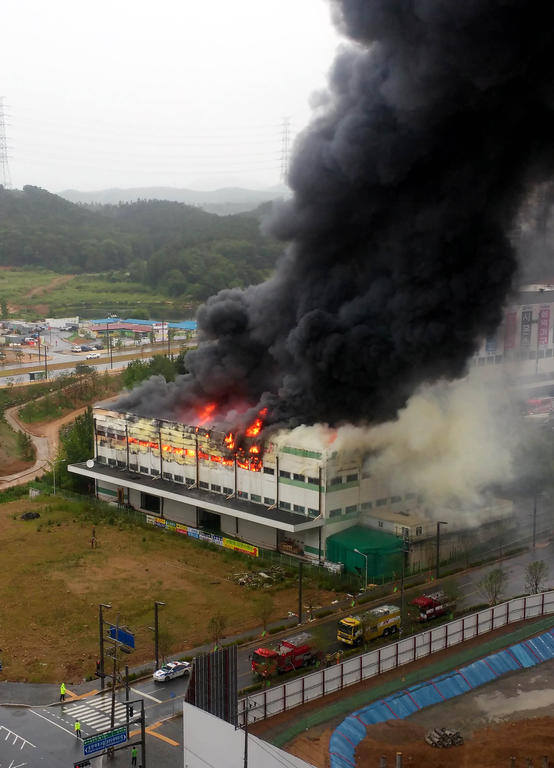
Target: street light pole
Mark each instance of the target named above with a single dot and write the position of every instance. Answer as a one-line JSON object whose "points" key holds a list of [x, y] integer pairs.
{"points": [[437, 562], [156, 643], [101, 635], [366, 559]]}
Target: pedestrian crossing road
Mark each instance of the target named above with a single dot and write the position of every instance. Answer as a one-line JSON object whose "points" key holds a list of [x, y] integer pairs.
{"points": [[94, 714]]}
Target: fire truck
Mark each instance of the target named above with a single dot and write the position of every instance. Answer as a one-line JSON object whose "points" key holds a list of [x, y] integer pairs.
{"points": [[290, 654], [377, 622], [431, 605]]}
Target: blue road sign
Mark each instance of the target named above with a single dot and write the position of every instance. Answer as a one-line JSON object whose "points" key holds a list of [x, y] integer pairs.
{"points": [[103, 740], [123, 635]]}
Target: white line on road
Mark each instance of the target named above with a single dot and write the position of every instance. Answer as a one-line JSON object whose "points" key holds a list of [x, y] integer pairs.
{"points": [[52, 722], [147, 695]]}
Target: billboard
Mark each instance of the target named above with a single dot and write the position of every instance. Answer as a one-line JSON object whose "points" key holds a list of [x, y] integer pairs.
{"points": [[526, 324], [210, 538], [544, 326], [510, 323]]}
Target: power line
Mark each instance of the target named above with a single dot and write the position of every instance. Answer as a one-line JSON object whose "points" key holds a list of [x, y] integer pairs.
{"points": [[285, 148], [5, 178]]}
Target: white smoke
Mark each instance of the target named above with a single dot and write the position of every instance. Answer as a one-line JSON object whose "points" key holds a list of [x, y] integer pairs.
{"points": [[450, 442]]}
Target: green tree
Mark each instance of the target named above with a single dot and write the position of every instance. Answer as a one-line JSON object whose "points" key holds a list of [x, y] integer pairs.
{"points": [[535, 574], [492, 585], [216, 627], [76, 445], [263, 608]]}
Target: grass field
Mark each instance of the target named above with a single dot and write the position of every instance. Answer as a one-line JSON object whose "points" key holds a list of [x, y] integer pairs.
{"points": [[34, 293], [52, 582], [11, 457]]}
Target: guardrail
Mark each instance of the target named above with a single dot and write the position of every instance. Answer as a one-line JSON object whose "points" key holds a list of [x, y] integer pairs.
{"points": [[264, 704]]}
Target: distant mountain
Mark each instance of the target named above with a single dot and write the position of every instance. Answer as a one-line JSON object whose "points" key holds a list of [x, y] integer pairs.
{"points": [[179, 249], [223, 202]]}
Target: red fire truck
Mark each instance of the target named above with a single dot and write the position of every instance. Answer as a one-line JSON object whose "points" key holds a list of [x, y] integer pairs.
{"points": [[431, 605], [292, 653]]}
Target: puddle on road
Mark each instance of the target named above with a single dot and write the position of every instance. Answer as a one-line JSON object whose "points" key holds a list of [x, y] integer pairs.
{"points": [[496, 705]]}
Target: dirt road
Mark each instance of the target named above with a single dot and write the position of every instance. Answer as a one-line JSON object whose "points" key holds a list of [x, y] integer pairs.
{"points": [[45, 437]]}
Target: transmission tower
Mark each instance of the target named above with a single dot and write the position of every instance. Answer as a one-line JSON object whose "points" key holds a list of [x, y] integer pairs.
{"points": [[5, 179], [285, 147]]}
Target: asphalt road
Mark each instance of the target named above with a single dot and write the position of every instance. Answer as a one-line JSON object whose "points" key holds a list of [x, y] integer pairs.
{"points": [[42, 736]]}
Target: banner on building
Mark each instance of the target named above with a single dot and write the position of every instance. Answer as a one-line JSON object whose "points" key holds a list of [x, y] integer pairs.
{"points": [[210, 538], [510, 324], [526, 320], [490, 345], [544, 326]]}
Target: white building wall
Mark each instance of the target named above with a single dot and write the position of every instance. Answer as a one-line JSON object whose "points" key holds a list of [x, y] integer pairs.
{"points": [[209, 741], [256, 533]]}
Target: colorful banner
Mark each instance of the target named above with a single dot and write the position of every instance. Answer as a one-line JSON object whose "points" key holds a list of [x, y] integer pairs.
{"points": [[210, 538], [510, 324], [526, 320], [544, 326]]}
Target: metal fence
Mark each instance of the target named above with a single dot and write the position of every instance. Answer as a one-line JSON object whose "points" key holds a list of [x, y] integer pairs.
{"points": [[271, 701]]}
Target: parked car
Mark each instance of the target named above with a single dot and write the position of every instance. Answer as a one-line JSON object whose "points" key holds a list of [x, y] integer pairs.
{"points": [[76, 348], [171, 670], [86, 348], [92, 355]]}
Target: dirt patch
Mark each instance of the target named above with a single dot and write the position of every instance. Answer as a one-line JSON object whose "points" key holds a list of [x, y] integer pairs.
{"points": [[53, 580], [56, 282], [508, 717]]}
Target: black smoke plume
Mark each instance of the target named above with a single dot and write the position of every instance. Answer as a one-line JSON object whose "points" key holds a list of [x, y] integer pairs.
{"points": [[437, 121]]}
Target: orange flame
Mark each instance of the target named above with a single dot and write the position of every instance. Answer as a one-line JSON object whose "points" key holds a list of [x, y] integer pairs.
{"points": [[255, 428], [254, 449], [206, 413], [229, 441]]}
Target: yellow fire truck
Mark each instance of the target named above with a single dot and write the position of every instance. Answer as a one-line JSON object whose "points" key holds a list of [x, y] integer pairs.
{"points": [[377, 622]]}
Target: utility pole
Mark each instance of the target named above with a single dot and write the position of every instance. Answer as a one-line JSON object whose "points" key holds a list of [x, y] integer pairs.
{"points": [[437, 562], [114, 675], [156, 630], [5, 178], [101, 673], [300, 592], [246, 710], [45, 363], [535, 520], [285, 147]]}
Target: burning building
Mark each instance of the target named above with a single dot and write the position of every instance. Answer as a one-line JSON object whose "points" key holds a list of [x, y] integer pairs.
{"points": [[272, 493], [273, 490]]}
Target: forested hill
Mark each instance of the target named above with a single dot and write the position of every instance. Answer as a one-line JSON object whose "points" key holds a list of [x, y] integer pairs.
{"points": [[172, 246]]}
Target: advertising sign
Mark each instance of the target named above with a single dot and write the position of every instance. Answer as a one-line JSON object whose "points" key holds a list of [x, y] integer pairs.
{"points": [[526, 319], [210, 538], [544, 326], [510, 323], [490, 345]]}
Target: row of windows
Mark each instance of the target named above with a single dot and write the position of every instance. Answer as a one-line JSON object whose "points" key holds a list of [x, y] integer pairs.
{"points": [[520, 354], [293, 475], [339, 480]]}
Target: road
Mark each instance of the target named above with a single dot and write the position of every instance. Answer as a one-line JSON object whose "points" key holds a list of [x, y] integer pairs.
{"points": [[43, 736]]}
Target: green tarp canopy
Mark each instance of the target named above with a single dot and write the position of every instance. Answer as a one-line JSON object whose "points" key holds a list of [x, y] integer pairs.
{"points": [[383, 550]]}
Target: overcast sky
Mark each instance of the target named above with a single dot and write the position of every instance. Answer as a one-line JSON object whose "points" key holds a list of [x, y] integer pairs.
{"points": [[173, 92]]}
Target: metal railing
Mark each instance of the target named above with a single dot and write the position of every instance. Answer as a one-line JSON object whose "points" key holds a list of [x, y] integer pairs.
{"points": [[264, 704]]}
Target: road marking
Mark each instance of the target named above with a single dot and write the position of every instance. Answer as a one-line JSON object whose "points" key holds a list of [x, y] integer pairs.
{"points": [[85, 695], [147, 695], [16, 737], [151, 731], [52, 722]]}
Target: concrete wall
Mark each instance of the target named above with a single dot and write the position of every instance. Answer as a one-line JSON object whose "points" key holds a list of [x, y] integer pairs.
{"points": [[257, 534], [209, 741]]}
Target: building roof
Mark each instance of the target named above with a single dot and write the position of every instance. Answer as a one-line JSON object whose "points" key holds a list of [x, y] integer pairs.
{"points": [[213, 502], [185, 325]]}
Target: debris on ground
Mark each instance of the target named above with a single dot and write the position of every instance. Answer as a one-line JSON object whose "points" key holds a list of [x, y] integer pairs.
{"points": [[444, 737], [259, 579]]}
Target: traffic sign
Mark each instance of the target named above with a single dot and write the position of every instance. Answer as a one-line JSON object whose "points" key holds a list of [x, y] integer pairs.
{"points": [[106, 739], [123, 636]]}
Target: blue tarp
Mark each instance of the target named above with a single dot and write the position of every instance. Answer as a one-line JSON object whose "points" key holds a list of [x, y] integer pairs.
{"points": [[345, 738]]}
